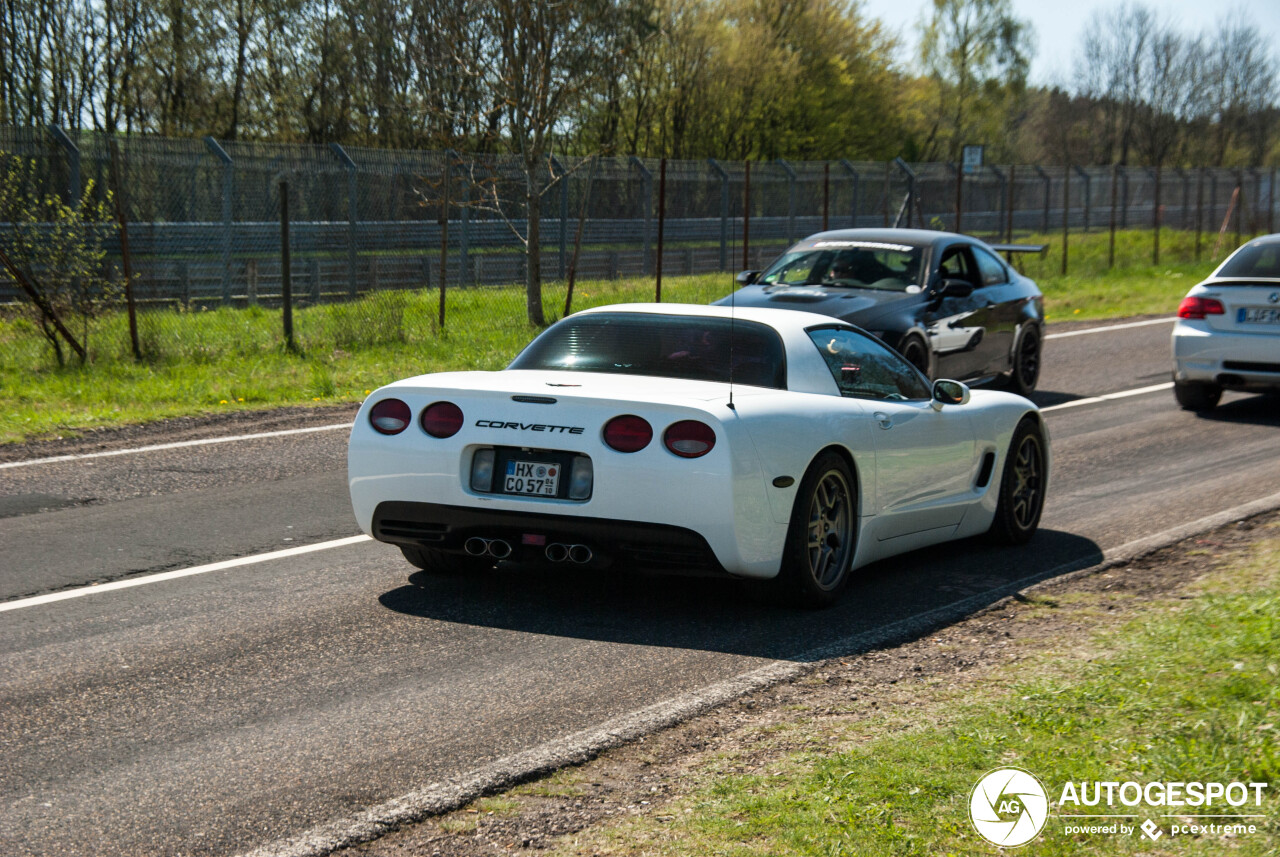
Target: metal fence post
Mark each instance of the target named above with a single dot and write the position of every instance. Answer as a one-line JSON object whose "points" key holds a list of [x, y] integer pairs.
{"points": [[662, 219], [1155, 217], [1124, 198], [724, 211], [286, 278], [911, 186], [1048, 187], [959, 190], [1088, 193], [1003, 191], [1066, 214], [228, 186], [1111, 247], [791, 198], [1199, 208], [73, 164], [853, 206], [353, 217], [564, 214], [646, 185]]}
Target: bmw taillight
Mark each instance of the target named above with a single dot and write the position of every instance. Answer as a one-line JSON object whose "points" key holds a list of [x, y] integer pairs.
{"points": [[390, 416], [442, 419], [628, 433], [1196, 307], [689, 438]]}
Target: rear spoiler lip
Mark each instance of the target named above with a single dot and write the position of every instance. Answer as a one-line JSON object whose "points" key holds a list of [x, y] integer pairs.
{"points": [[1020, 248]]}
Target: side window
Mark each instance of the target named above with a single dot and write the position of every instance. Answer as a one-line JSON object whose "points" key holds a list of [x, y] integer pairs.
{"points": [[957, 263], [993, 270], [865, 368]]}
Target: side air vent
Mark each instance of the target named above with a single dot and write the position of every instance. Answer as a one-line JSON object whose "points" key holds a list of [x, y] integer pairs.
{"points": [[984, 475]]}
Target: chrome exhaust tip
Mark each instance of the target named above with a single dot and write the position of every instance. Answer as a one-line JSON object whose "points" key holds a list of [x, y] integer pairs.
{"points": [[580, 554], [476, 546], [556, 552], [498, 549]]}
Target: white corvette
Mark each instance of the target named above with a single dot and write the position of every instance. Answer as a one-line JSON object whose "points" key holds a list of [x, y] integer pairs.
{"points": [[766, 444]]}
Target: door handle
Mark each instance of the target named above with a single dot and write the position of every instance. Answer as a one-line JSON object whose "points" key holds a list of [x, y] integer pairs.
{"points": [[885, 421]]}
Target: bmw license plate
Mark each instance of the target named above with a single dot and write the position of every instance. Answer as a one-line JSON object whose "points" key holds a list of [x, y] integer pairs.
{"points": [[534, 478], [1258, 315]]}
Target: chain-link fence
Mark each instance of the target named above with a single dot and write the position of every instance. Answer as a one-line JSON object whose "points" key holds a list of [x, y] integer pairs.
{"points": [[389, 245]]}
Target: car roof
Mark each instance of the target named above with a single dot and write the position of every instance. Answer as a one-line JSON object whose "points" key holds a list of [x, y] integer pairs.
{"points": [[782, 320], [911, 237]]}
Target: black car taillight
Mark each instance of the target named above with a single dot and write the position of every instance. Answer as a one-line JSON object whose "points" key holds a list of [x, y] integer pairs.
{"points": [[689, 438], [628, 433], [390, 416], [442, 419]]}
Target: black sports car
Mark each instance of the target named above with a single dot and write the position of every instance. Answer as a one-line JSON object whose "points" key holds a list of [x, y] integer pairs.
{"points": [[946, 302]]}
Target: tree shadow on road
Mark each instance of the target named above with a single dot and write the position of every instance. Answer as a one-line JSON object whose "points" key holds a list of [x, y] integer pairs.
{"points": [[889, 601]]}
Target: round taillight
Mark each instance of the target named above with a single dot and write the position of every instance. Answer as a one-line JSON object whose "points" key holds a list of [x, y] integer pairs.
{"points": [[628, 433], [689, 438], [442, 419], [390, 416]]}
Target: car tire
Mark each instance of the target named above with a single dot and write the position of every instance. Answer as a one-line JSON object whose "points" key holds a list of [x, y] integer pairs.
{"points": [[1024, 370], [440, 562], [916, 352], [1198, 396], [823, 534], [1022, 484]]}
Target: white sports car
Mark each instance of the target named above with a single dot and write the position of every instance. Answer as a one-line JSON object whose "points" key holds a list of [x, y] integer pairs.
{"points": [[765, 444], [1228, 331]]}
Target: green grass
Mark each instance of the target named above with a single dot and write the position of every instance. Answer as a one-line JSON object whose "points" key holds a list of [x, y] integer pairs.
{"points": [[1186, 691], [205, 361]]}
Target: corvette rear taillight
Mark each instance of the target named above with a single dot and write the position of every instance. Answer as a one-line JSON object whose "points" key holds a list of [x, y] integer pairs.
{"points": [[1194, 307], [390, 416], [442, 419], [689, 438], [628, 433]]}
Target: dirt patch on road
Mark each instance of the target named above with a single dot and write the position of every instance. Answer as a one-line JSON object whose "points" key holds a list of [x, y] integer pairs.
{"points": [[749, 734]]}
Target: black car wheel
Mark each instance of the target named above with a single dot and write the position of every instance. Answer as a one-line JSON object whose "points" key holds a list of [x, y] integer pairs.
{"points": [[1025, 371], [823, 533], [1021, 486], [440, 562], [916, 352]]}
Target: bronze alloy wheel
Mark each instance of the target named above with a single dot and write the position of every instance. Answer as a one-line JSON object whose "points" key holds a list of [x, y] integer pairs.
{"points": [[1021, 498], [1028, 466], [830, 530]]}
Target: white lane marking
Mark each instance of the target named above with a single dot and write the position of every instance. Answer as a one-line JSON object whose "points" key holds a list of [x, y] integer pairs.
{"points": [[82, 591], [175, 445], [1110, 327], [1107, 397]]}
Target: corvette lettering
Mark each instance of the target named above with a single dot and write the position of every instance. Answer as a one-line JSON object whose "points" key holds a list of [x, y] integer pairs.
{"points": [[499, 424]]}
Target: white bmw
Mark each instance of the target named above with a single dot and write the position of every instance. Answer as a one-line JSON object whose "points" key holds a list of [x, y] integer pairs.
{"points": [[764, 444], [1228, 331]]}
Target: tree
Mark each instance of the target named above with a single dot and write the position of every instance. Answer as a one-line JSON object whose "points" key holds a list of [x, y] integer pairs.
{"points": [[977, 55]]}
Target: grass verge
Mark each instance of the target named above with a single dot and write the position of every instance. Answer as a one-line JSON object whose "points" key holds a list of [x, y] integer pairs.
{"points": [[213, 361], [1183, 688]]}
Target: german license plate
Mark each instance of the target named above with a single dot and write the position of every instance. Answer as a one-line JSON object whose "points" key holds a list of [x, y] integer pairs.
{"points": [[1258, 315], [534, 478]]}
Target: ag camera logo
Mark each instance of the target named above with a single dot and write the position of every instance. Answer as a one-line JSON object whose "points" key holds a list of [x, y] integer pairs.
{"points": [[1008, 807]]}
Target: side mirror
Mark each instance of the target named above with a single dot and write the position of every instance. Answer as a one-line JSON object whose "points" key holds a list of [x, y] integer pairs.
{"points": [[955, 288], [947, 392], [746, 278]]}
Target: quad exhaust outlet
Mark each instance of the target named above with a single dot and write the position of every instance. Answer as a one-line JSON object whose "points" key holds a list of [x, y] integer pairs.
{"points": [[580, 554], [496, 548]]}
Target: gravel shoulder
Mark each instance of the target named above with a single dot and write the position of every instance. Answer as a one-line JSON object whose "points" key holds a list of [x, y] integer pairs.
{"points": [[573, 810]]}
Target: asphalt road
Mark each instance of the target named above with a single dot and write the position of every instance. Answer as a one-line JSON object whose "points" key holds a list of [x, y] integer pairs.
{"points": [[213, 713]]}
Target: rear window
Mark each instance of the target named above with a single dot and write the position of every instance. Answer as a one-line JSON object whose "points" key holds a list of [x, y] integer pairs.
{"points": [[661, 346], [1254, 260]]}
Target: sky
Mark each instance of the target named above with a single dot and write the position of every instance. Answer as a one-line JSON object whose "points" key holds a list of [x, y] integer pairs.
{"points": [[1058, 24]]}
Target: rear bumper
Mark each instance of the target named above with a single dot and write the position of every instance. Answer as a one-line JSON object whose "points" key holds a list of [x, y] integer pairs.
{"points": [[631, 544], [1236, 361]]}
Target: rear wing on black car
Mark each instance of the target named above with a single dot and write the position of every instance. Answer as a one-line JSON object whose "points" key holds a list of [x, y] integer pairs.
{"points": [[1009, 249]]}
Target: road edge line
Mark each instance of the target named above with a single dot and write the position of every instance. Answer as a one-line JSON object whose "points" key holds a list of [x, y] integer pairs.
{"points": [[160, 577], [1145, 323], [579, 747]]}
